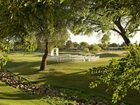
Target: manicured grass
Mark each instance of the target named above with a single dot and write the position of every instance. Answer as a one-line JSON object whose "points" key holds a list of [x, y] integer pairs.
{"points": [[56, 73], [72, 75], [12, 96]]}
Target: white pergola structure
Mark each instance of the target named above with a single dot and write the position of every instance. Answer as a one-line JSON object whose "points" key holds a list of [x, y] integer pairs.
{"points": [[55, 51]]}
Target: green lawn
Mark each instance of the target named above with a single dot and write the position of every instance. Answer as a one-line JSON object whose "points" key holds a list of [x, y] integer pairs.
{"points": [[11, 96], [71, 75], [59, 74]]}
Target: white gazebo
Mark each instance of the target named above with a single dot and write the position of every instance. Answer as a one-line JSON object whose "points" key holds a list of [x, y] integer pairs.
{"points": [[55, 52]]}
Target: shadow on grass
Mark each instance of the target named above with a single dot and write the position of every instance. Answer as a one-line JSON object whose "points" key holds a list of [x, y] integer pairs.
{"points": [[17, 96], [9, 93], [76, 81], [106, 55], [23, 68], [27, 68], [79, 81]]}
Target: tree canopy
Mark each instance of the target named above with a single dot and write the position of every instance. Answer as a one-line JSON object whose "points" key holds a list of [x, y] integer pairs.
{"points": [[106, 16], [45, 18]]}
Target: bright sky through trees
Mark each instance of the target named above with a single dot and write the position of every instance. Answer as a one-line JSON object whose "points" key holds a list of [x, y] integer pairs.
{"points": [[95, 38]]}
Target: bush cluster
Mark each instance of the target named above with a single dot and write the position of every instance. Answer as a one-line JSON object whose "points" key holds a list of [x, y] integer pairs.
{"points": [[120, 75]]}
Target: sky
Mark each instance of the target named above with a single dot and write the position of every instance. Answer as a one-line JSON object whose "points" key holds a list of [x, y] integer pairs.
{"points": [[94, 38]]}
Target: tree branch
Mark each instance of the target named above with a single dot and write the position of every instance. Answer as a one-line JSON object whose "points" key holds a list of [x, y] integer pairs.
{"points": [[117, 22], [127, 24], [116, 30], [137, 30]]}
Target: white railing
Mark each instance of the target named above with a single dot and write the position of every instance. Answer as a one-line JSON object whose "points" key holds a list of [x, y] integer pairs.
{"points": [[72, 58]]}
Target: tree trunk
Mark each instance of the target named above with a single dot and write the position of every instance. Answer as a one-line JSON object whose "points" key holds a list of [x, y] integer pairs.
{"points": [[126, 39], [44, 58], [121, 31], [39, 43]]}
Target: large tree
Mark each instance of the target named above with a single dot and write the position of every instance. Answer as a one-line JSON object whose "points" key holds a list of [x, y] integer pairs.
{"points": [[107, 16], [45, 18]]}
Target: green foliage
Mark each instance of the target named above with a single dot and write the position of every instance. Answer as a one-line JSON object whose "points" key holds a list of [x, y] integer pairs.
{"points": [[58, 101], [105, 41], [95, 48], [30, 43], [45, 18], [106, 16], [120, 75], [4, 49], [86, 50], [3, 60], [76, 45], [27, 43], [114, 45], [69, 44], [4, 45], [83, 45], [61, 1]]}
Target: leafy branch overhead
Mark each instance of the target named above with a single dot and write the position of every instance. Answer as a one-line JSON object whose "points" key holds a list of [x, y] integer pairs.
{"points": [[120, 75], [104, 16], [44, 18]]}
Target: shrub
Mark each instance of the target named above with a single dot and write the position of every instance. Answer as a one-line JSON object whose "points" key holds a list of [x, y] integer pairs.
{"points": [[86, 50], [58, 101], [120, 75], [95, 48], [3, 60]]}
